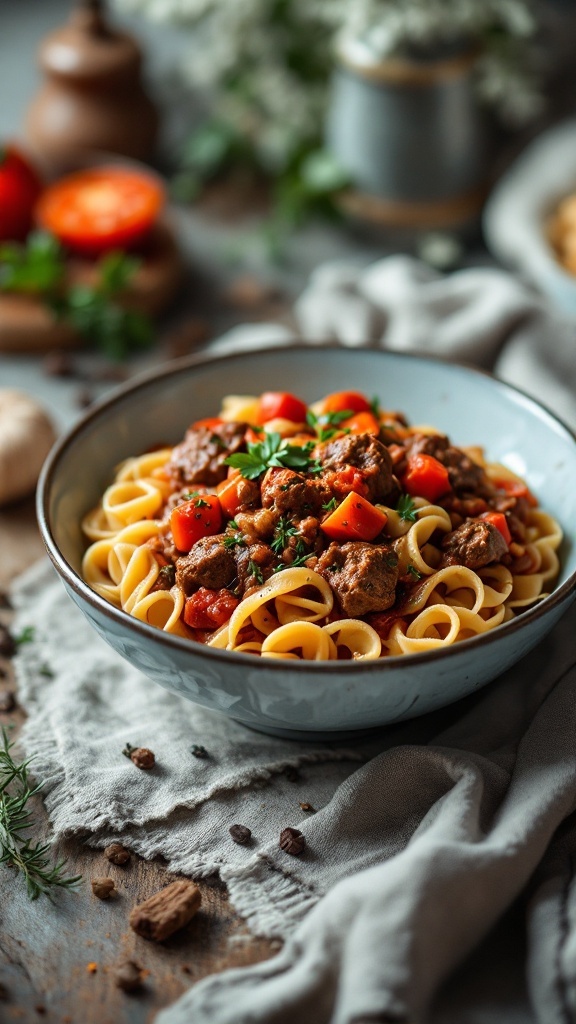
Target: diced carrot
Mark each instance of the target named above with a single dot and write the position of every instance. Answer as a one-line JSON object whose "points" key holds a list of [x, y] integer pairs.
{"points": [[362, 423], [354, 519], [425, 477], [498, 519]]}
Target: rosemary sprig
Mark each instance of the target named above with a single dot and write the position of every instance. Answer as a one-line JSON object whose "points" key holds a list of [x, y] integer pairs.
{"points": [[16, 849]]}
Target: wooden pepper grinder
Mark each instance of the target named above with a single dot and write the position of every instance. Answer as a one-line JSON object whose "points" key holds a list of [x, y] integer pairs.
{"points": [[92, 98]]}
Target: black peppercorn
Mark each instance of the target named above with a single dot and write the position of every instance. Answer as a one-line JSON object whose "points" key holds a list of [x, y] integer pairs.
{"points": [[240, 834]]}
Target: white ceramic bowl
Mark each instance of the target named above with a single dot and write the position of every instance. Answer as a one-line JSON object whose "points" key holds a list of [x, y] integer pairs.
{"points": [[304, 698], [516, 214]]}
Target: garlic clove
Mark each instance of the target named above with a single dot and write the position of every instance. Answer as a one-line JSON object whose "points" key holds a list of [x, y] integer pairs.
{"points": [[26, 436]]}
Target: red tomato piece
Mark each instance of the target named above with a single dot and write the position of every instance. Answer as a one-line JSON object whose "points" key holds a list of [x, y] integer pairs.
{"points": [[199, 517], [254, 436], [339, 401], [362, 423], [208, 423], [355, 519], [20, 187], [515, 489], [498, 519], [281, 405], [426, 477], [342, 481], [228, 493], [209, 609], [100, 209]]}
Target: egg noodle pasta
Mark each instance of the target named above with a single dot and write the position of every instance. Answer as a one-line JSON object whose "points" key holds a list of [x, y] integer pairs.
{"points": [[319, 533]]}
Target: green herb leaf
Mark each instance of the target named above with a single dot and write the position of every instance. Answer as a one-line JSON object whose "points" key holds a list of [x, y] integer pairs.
{"points": [[375, 406], [283, 530], [27, 635], [273, 451], [406, 509], [327, 424], [255, 571], [17, 849], [414, 572], [329, 506], [37, 267]]}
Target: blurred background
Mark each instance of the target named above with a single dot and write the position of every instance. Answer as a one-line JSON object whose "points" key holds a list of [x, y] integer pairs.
{"points": [[282, 134]]}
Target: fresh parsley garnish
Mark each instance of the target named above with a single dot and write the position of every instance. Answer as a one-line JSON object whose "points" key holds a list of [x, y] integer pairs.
{"points": [[300, 559], [328, 423], [414, 572], [168, 574], [283, 530], [406, 509], [273, 451], [255, 571], [233, 540], [375, 406], [200, 501], [329, 506]]}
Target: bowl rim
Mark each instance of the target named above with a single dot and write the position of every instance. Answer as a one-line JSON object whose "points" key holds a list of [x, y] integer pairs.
{"points": [[222, 657]]}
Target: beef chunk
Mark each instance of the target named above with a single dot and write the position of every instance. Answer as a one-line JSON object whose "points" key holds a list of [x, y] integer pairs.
{"points": [[363, 576], [466, 476], [207, 564], [254, 564], [291, 493], [475, 543], [200, 456], [366, 453]]}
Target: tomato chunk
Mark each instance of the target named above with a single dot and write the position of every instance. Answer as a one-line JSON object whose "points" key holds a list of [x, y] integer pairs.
{"points": [[339, 401], [355, 519], [342, 481], [228, 493], [102, 208], [515, 489], [426, 477], [281, 405], [208, 423], [199, 517], [498, 519], [362, 423], [209, 609], [20, 187]]}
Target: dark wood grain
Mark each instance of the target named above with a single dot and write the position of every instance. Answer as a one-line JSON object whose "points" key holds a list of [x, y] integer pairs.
{"points": [[58, 958]]}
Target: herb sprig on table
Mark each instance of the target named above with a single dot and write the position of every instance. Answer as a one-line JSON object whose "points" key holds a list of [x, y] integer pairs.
{"points": [[273, 451], [39, 268], [16, 849]]}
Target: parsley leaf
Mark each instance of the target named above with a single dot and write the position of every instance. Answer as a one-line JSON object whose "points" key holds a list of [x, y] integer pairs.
{"points": [[414, 572], [255, 571], [327, 424], [236, 539], [273, 451], [406, 509], [375, 406], [283, 530], [329, 506]]}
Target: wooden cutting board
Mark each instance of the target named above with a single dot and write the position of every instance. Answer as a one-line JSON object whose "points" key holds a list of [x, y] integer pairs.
{"points": [[27, 325]]}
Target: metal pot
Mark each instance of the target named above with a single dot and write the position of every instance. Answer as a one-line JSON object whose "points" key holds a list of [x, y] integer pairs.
{"points": [[411, 135]]}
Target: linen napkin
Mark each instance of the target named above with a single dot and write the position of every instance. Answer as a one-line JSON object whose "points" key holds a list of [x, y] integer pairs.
{"points": [[423, 837]]}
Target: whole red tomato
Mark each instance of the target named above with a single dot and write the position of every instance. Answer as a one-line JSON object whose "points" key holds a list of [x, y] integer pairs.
{"points": [[20, 187]]}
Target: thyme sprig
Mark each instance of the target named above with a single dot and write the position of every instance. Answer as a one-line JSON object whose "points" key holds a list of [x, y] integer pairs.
{"points": [[16, 849]]}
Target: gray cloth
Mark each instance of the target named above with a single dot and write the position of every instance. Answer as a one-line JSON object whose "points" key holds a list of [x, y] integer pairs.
{"points": [[426, 836]]}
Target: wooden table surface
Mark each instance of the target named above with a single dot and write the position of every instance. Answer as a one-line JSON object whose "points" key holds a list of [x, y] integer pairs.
{"points": [[48, 949]]}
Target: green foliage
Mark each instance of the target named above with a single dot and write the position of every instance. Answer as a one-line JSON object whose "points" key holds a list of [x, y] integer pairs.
{"points": [[39, 268], [16, 849]]}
